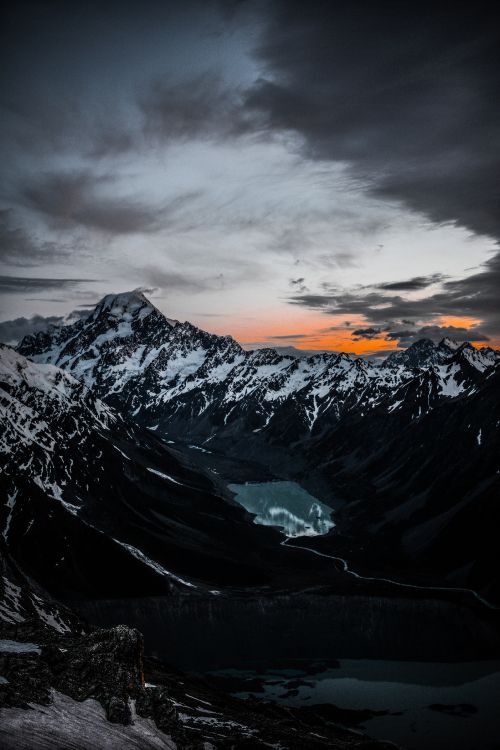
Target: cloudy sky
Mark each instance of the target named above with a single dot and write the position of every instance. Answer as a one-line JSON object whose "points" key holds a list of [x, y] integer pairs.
{"points": [[320, 174]]}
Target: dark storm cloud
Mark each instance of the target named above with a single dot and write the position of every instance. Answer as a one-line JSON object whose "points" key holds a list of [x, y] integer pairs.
{"points": [[19, 248], [67, 70], [12, 331], [23, 285], [74, 198], [407, 95], [399, 335], [366, 333], [200, 107], [404, 338], [414, 284], [437, 333]]}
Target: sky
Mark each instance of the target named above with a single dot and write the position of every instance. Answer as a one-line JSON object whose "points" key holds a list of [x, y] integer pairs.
{"points": [[320, 175]]}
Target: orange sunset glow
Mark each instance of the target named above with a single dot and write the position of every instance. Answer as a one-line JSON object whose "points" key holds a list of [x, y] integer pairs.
{"points": [[324, 332]]}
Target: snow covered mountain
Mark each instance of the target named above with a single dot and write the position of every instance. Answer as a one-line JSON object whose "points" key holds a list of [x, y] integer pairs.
{"points": [[49, 419], [95, 505], [178, 379], [126, 338]]}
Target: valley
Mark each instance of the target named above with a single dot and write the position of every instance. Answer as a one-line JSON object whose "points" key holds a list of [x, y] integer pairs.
{"points": [[251, 510]]}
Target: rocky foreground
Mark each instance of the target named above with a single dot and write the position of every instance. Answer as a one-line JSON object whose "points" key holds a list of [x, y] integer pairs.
{"points": [[67, 685], [97, 690]]}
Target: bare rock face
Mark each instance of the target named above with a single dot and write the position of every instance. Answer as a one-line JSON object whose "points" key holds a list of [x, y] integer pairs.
{"points": [[156, 704], [27, 681], [105, 665]]}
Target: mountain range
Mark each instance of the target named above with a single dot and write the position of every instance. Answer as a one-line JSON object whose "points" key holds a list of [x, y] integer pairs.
{"points": [[395, 447], [176, 378]]}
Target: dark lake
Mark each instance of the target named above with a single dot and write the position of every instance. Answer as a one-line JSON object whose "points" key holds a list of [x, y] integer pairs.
{"points": [[422, 705]]}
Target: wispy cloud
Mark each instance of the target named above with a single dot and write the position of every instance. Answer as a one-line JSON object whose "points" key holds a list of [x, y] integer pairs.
{"points": [[78, 198], [291, 336], [25, 284]]}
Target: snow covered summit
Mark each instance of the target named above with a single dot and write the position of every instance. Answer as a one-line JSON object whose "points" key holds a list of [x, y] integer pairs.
{"points": [[127, 306]]}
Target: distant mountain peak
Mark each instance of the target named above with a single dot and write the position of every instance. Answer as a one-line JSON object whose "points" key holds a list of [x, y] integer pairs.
{"points": [[127, 306]]}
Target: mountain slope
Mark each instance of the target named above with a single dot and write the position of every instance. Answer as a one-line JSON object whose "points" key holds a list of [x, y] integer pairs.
{"points": [[422, 494]]}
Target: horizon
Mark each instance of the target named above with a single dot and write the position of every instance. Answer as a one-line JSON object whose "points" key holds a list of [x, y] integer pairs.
{"points": [[284, 349], [322, 177]]}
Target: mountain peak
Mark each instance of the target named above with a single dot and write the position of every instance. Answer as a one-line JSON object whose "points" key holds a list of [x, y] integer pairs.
{"points": [[422, 344], [125, 305], [420, 354]]}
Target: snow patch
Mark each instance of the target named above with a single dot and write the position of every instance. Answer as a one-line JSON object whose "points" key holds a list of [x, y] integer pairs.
{"points": [[11, 609], [67, 723], [165, 476], [152, 563]]}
